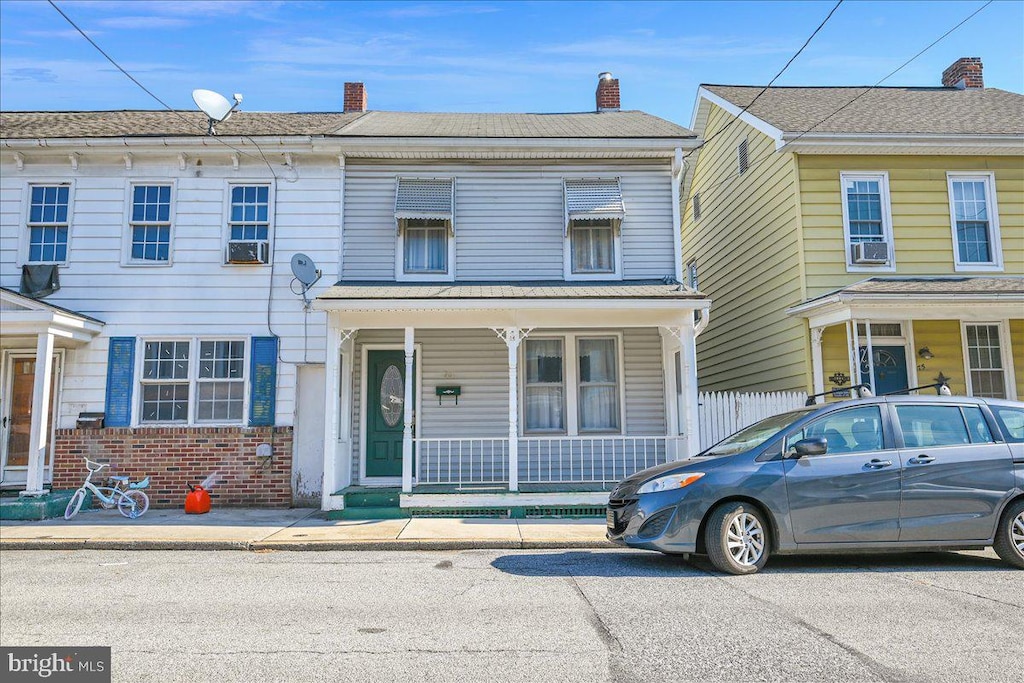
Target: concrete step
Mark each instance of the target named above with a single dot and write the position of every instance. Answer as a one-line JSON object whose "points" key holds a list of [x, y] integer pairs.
{"points": [[383, 498], [369, 512]]}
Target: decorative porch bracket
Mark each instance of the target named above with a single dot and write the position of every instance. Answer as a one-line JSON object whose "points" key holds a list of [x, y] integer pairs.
{"points": [[513, 337]]}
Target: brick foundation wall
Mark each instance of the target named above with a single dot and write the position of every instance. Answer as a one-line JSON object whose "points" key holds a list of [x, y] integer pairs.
{"points": [[175, 456]]}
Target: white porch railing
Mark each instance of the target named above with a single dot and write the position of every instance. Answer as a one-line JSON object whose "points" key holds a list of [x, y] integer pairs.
{"points": [[593, 459], [461, 461], [723, 413]]}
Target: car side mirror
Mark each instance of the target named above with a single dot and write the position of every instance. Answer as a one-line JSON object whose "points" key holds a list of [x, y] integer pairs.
{"points": [[815, 445]]}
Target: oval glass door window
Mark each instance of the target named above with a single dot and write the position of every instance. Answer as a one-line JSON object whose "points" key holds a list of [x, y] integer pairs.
{"points": [[392, 396]]}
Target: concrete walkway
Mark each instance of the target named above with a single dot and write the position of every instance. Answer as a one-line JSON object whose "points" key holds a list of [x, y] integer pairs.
{"points": [[296, 529]]}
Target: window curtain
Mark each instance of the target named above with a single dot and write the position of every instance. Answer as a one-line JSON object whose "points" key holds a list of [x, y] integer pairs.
{"points": [[544, 400], [426, 249], [599, 392]]}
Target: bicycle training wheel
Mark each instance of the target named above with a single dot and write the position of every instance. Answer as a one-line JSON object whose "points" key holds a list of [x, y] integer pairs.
{"points": [[75, 504], [133, 504]]}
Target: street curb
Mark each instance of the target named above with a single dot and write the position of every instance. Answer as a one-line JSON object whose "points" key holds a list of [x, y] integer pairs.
{"points": [[253, 546]]}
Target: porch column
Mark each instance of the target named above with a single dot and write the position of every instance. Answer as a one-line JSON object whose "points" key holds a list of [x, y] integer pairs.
{"points": [[407, 432], [688, 355], [513, 337], [871, 356], [40, 435], [817, 367]]}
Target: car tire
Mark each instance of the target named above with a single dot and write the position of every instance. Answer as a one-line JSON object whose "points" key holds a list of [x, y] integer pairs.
{"points": [[1009, 544], [737, 538]]}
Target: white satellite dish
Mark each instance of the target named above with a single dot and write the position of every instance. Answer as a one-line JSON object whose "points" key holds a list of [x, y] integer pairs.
{"points": [[215, 106], [304, 269]]}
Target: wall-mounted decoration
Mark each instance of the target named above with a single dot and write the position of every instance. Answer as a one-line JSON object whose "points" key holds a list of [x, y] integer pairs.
{"points": [[448, 391], [839, 378]]}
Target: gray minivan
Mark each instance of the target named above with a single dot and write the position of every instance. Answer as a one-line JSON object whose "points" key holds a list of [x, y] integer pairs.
{"points": [[893, 472]]}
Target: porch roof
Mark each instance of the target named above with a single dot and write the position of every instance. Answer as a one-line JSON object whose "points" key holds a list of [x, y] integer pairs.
{"points": [[916, 298], [24, 316], [553, 289]]}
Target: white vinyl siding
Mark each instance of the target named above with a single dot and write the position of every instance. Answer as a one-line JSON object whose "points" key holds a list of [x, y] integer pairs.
{"points": [[974, 219], [510, 218]]}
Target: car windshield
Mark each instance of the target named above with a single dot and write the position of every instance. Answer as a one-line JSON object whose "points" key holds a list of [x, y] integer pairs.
{"points": [[756, 434]]}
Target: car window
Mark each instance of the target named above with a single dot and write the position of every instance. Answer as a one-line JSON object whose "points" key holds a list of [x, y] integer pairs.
{"points": [[847, 431], [1012, 422], [756, 434], [925, 425], [976, 425]]}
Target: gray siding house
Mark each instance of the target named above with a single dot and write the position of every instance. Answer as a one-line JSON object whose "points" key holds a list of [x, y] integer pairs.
{"points": [[500, 321]]}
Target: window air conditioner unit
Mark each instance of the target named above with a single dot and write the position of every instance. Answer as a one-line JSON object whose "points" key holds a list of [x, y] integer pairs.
{"points": [[871, 252], [248, 252]]}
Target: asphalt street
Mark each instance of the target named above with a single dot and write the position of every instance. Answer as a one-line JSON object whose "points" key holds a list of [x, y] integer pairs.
{"points": [[490, 615]]}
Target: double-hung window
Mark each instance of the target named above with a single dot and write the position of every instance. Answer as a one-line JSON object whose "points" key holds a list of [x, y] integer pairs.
{"points": [[150, 224], [48, 223], [975, 221], [193, 381], [986, 366], [425, 218], [867, 222], [593, 219], [572, 385]]}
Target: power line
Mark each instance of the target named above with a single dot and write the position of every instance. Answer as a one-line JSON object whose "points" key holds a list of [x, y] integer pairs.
{"points": [[866, 90], [770, 83]]}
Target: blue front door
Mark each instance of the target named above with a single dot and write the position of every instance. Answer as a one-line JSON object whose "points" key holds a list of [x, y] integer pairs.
{"points": [[890, 364]]}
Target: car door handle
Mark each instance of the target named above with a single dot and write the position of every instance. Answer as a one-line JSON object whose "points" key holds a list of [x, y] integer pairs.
{"points": [[877, 464], [921, 460]]}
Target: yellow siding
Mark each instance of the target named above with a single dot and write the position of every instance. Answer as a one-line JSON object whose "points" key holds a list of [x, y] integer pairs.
{"points": [[920, 213], [1017, 348], [747, 249], [942, 337], [835, 356]]}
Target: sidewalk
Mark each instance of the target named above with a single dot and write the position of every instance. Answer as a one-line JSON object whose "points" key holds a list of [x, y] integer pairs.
{"points": [[296, 529]]}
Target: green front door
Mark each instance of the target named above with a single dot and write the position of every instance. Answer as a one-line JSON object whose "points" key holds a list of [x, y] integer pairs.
{"points": [[385, 413]]}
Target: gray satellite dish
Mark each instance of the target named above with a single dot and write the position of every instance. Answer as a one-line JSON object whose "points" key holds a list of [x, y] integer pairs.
{"points": [[215, 106], [306, 273]]}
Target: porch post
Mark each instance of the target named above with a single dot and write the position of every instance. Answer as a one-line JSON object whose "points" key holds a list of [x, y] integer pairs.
{"points": [[817, 368], [688, 355], [39, 437], [513, 337], [871, 356], [407, 432]]}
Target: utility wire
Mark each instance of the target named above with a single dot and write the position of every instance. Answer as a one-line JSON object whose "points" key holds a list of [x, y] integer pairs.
{"points": [[770, 83], [866, 90]]}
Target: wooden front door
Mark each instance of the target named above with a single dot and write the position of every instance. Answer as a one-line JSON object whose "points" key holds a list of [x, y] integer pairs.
{"points": [[385, 412], [17, 417], [890, 365]]}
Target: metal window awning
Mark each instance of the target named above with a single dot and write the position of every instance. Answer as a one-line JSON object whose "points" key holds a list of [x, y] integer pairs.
{"points": [[425, 198], [593, 199]]}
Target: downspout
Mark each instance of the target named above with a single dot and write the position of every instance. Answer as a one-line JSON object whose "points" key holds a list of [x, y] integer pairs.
{"points": [[678, 164]]}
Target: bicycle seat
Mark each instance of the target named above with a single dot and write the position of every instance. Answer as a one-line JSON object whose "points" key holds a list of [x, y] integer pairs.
{"points": [[119, 478]]}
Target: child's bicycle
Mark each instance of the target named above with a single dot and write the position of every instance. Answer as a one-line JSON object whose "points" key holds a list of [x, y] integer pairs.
{"points": [[131, 502]]}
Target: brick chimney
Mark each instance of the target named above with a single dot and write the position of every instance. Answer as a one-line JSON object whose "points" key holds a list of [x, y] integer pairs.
{"points": [[607, 92], [355, 97], [964, 73]]}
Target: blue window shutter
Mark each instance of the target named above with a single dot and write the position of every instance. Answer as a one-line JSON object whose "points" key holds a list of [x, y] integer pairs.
{"points": [[263, 377], [120, 381]]}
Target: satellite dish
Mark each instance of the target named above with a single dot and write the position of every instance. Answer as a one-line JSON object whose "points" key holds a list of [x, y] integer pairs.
{"points": [[304, 270], [215, 106]]}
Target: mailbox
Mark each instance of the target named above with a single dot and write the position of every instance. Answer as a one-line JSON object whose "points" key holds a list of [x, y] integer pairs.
{"points": [[448, 391]]}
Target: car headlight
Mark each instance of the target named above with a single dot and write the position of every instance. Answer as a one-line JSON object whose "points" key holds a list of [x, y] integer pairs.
{"points": [[672, 481]]}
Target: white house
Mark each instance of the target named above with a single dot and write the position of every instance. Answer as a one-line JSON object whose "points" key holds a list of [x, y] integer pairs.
{"points": [[499, 323]]}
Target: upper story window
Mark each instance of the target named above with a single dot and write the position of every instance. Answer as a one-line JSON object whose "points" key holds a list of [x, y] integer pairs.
{"points": [[48, 223], [249, 224], [975, 221], [593, 218], [425, 216], [867, 222], [150, 224]]}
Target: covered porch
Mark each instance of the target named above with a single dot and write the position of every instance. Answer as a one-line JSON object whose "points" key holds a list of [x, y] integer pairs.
{"points": [[897, 333], [31, 330], [534, 394]]}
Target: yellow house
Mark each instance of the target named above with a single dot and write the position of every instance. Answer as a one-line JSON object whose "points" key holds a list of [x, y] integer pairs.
{"points": [[859, 235]]}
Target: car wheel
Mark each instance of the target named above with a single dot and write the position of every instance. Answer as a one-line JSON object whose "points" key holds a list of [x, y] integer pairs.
{"points": [[1009, 543], [736, 538]]}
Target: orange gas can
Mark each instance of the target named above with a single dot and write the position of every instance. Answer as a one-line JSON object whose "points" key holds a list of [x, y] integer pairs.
{"points": [[197, 502]]}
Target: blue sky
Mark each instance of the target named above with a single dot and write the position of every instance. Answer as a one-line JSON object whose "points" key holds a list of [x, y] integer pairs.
{"points": [[479, 56]]}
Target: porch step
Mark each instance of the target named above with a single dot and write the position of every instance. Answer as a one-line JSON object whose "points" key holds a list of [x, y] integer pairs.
{"points": [[371, 497], [368, 512]]}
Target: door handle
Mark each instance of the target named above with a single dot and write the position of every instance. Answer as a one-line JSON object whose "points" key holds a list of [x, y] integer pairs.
{"points": [[921, 460], [877, 464]]}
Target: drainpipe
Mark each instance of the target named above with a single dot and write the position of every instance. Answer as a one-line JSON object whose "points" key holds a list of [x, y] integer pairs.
{"points": [[678, 165]]}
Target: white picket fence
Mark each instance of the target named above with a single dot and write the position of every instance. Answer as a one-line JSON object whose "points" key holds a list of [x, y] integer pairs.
{"points": [[720, 413]]}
